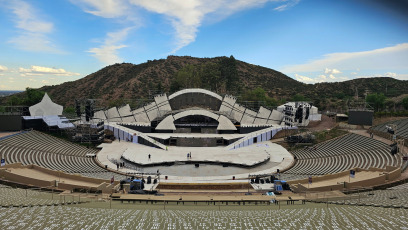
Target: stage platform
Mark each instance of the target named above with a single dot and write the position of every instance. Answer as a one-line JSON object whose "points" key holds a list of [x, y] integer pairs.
{"points": [[244, 157], [183, 170]]}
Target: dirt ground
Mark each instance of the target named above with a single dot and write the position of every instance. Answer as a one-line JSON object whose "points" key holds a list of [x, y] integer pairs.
{"points": [[4, 134], [324, 124], [382, 120]]}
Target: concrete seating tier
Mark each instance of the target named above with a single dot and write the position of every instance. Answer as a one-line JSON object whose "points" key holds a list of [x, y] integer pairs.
{"points": [[401, 186], [53, 153], [397, 198], [349, 143], [336, 217], [402, 127], [340, 154], [25, 197], [43, 142]]}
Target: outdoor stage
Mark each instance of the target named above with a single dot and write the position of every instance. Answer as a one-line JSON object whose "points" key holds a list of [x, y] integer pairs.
{"points": [[216, 164]]}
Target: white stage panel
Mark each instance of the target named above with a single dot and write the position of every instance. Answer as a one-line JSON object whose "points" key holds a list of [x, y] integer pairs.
{"points": [[141, 115], [152, 111], [249, 117]]}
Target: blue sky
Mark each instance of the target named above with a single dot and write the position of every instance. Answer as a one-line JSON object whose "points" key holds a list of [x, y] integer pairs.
{"points": [[48, 42]]}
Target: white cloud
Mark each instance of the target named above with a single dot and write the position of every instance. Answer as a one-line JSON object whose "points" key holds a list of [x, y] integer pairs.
{"points": [[394, 57], [35, 42], [107, 53], [305, 79], [45, 82], [27, 20], [32, 29], [40, 70], [319, 78], [185, 16], [287, 5], [331, 71], [389, 74], [103, 8], [3, 86], [3, 68]]}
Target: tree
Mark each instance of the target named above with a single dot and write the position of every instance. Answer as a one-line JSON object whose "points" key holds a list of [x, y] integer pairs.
{"points": [[259, 94], [187, 77], [405, 103], [210, 76], [298, 97], [33, 96], [229, 73], [376, 100]]}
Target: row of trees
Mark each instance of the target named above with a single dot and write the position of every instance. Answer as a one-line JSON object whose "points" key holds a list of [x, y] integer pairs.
{"points": [[220, 77], [379, 102], [28, 98]]}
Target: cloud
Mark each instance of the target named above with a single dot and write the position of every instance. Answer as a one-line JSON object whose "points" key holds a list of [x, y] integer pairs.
{"points": [[393, 57], [389, 74], [3, 86], [27, 20], [103, 8], [35, 42], [287, 5], [32, 29], [107, 53], [185, 16], [304, 79], [3, 68], [331, 71], [319, 78], [39, 71]]}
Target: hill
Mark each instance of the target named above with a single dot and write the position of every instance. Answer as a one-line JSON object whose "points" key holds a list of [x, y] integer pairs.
{"points": [[129, 83], [120, 82]]}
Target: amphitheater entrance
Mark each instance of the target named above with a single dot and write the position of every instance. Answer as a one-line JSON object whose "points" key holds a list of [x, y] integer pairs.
{"points": [[196, 124]]}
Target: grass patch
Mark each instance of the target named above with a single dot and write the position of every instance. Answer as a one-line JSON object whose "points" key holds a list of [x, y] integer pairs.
{"points": [[326, 135]]}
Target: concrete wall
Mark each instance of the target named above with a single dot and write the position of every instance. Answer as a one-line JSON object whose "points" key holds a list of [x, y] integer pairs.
{"points": [[208, 130], [11, 123], [383, 177], [103, 185], [197, 142], [7, 175], [182, 130]]}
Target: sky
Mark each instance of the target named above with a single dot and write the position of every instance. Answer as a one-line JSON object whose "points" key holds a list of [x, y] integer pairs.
{"points": [[48, 42]]}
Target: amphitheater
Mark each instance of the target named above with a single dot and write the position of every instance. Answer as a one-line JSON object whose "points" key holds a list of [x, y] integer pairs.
{"points": [[214, 162]]}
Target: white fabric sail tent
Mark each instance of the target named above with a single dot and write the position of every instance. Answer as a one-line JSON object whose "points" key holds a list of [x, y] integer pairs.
{"points": [[46, 108]]}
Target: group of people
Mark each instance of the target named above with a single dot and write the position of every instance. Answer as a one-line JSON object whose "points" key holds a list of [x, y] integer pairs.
{"points": [[120, 165], [149, 157]]}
